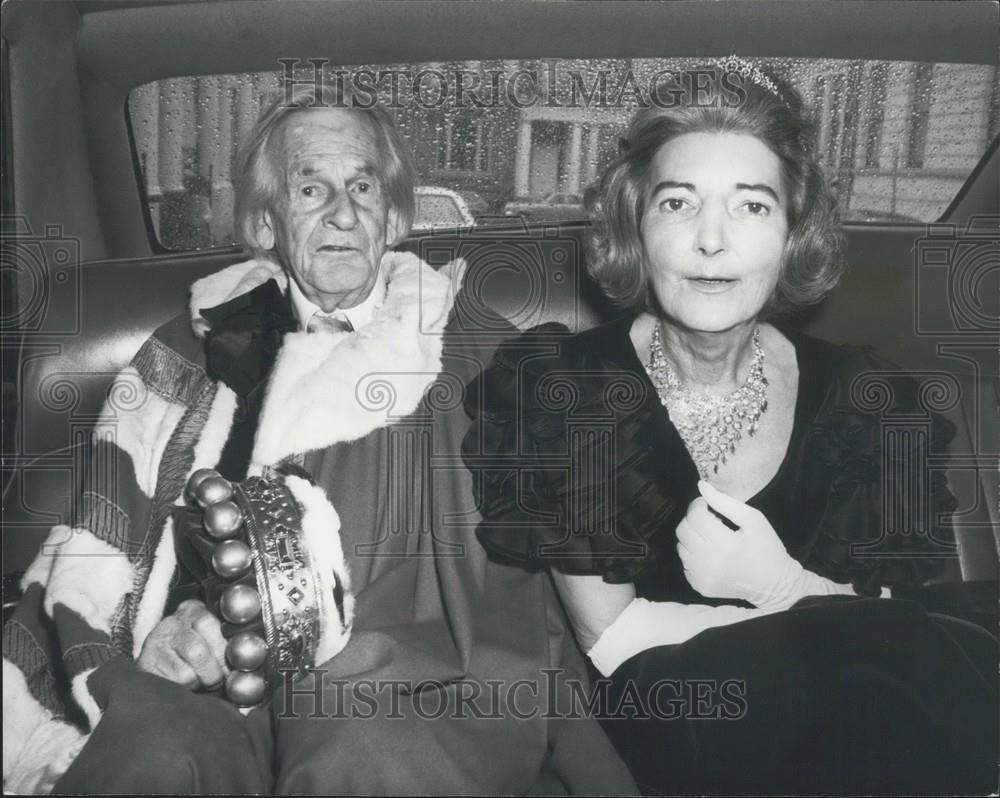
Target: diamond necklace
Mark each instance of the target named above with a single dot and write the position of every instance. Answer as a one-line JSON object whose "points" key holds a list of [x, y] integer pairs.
{"points": [[710, 425]]}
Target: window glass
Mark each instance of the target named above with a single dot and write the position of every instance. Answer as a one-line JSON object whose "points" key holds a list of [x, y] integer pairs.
{"points": [[525, 138], [440, 208]]}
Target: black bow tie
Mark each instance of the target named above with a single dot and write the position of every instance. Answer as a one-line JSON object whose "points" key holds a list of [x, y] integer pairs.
{"points": [[244, 339]]}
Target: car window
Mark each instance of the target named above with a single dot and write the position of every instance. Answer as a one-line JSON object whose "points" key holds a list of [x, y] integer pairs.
{"points": [[525, 138]]}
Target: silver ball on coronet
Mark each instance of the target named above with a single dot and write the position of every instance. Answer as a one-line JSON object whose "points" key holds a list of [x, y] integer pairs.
{"points": [[246, 651], [245, 689], [213, 490], [239, 604], [223, 519], [231, 559], [197, 478]]}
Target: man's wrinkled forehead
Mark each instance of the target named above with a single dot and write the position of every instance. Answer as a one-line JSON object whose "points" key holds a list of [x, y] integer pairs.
{"points": [[309, 136]]}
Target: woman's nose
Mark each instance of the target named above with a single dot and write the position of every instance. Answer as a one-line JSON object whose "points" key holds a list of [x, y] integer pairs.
{"points": [[341, 213], [711, 237]]}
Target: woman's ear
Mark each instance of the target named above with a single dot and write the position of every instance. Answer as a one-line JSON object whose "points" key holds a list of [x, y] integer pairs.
{"points": [[263, 231]]}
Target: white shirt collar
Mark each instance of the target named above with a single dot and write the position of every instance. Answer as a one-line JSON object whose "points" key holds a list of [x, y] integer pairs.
{"points": [[360, 315]]}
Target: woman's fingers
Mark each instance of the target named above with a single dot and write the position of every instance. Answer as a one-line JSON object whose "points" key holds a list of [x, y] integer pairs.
{"points": [[686, 534], [707, 524], [724, 504]]}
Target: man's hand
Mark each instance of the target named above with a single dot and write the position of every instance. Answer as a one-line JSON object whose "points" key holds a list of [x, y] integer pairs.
{"points": [[187, 648]]}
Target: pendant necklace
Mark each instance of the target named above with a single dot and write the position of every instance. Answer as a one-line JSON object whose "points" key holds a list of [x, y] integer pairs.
{"points": [[710, 425]]}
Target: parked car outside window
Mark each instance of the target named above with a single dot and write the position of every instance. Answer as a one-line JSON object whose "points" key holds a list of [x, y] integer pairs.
{"points": [[441, 207], [554, 207]]}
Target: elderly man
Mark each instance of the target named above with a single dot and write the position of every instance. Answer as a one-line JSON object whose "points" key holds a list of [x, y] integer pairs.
{"points": [[329, 356]]}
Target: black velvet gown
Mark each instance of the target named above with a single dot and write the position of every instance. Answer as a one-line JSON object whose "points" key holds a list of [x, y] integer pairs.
{"points": [[581, 469]]}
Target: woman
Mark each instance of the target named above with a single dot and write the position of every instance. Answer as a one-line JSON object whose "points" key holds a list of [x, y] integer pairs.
{"points": [[708, 492]]}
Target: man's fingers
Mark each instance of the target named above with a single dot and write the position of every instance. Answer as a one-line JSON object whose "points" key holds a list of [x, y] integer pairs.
{"points": [[191, 610], [208, 626], [160, 660], [186, 648], [195, 651], [210, 629], [183, 674]]}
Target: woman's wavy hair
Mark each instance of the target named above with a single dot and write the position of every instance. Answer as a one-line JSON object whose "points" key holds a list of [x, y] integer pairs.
{"points": [[259, 183], [725, 102]]}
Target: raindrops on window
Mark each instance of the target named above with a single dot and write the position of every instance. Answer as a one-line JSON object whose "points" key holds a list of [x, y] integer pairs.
{"points": [[501, 141]]}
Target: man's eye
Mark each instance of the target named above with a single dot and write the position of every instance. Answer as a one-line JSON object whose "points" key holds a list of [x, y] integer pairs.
{"points": [[309, 191], [362, 186]]}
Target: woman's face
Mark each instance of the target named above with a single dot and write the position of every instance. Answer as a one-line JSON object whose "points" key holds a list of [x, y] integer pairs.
{"points": [[714, 229]]}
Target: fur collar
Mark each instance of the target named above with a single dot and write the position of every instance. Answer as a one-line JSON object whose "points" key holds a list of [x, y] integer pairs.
{"points": [[329, 387]]}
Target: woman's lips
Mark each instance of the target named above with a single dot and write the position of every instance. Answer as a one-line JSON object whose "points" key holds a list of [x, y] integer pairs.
{"points": [[711, 285]]}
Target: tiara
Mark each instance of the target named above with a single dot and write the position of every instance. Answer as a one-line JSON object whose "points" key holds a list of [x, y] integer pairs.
{"points": [[750, 71]]}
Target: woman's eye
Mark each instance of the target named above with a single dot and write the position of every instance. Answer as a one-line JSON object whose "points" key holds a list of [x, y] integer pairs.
{"points": [[672, 205], [362, 187], [309, 191], [757, 208]]}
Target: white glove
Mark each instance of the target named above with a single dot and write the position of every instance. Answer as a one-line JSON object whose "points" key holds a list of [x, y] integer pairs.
{"points": [[750, 563], [646, 624]]}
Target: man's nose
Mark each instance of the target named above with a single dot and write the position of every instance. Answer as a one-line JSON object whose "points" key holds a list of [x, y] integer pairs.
{"points": [[341, 213], [712, 235]]}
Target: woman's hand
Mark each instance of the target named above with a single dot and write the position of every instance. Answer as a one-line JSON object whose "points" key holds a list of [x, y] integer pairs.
{"points": [[750, 563]]}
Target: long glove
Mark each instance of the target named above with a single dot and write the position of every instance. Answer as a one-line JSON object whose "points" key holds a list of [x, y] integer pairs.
{"points": [[646, 624], [750, 563]]}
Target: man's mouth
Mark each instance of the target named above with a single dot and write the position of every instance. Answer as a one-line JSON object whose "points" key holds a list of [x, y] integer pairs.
{"points": [[336, 248]]}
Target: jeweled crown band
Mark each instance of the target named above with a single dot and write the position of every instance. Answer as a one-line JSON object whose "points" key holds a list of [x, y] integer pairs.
{"points": [[256, 526]]}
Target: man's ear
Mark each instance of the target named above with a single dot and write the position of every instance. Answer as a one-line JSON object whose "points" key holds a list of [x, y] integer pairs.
{"points": [[394, 228], [263, 230]]}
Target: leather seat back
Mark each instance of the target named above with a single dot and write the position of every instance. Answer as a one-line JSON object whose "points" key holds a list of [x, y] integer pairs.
{"points": [[98, 314]]}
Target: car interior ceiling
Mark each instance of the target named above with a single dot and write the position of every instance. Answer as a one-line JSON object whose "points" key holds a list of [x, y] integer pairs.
{"points": [[70, 67]]}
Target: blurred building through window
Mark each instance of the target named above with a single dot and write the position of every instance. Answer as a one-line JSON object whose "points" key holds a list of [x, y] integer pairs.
{"points": [[897, 140]]}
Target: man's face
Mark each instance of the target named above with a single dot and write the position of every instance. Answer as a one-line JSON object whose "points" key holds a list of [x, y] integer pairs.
{"points": [[332, 221]]}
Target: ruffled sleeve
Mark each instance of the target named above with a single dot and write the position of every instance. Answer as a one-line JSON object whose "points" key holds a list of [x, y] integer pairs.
{"points": [[562, 456], [882, 441]]}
